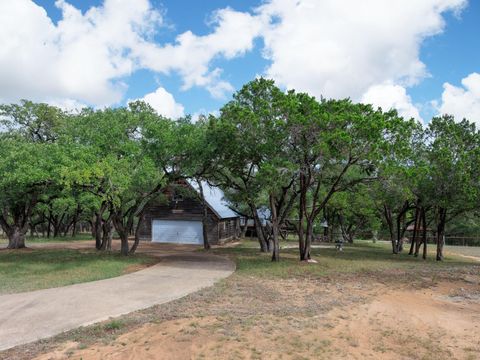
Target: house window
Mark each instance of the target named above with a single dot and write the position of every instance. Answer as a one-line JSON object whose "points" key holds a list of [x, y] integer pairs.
{"points": [[177, 197]]}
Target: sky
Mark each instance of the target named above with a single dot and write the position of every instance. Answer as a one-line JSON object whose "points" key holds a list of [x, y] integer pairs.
{"points": [[421, 57]]}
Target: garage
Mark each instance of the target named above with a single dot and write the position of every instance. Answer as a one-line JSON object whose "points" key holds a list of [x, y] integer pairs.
{"points": [[177, 231], [175, 216]]}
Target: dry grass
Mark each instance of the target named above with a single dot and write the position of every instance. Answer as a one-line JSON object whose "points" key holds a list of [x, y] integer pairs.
{"points": [[288, 310]]}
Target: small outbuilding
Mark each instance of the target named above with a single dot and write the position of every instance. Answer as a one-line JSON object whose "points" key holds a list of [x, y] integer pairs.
{"points": [[176, 216]]}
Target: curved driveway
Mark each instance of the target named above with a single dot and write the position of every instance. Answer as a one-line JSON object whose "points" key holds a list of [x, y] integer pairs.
{"points": [[35, 315]]}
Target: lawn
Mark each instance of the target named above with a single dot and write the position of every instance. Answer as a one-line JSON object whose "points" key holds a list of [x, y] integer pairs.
{"points": [[363, 302], [360, 257], [42, 239], [33, 269]]}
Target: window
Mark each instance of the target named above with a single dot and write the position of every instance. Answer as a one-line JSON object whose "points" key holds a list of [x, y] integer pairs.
{"points": [[177, 197]]}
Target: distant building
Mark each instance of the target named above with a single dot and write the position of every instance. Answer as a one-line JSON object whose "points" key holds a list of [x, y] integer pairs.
{"points": [[176, 216]]}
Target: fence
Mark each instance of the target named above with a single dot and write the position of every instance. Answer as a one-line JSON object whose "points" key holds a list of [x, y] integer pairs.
{"points": [[455, 240]]}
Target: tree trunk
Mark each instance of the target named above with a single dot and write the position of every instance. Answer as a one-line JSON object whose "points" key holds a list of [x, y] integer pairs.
{"points": [[309, 239], [16, 238], [75, 220], [17, 231], [414, 235], [93, 229], [49, 224], [123, 229], [124, 243], [424, 236], [387, 212], [98, 231], [421, 223], [107, 228], [305, 252], [302, 208], [399, 235], [243, 229], [258, 228], [99, 225], [206, 243], [276, 244], [441, 233], [137, 234]]}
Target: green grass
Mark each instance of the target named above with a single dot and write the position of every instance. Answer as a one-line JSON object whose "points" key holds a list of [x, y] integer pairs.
{"points": [[41, 239], [113, 325], [26, 270], [360, 257]]}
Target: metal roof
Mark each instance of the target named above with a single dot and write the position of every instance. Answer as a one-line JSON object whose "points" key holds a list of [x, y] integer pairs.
{"points": [[214, 197]]}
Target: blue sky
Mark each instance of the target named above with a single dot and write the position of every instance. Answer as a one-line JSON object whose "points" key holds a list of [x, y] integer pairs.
{"points": [[187, 57]]}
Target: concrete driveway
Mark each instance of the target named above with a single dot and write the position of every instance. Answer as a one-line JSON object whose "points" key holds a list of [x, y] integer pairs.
{"points": [[35, 315]]}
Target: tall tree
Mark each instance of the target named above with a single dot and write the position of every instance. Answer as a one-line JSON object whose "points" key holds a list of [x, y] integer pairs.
{"points": [[336, 144], [30, 163], [245, 136], [454, 161]]}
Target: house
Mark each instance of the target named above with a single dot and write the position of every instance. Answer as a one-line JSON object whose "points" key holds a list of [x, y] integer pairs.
{"points": [[176, 216], [431, 236], [264, 217]]}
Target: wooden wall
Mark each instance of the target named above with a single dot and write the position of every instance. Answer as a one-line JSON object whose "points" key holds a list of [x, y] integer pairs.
{"points": [[190, 208]]}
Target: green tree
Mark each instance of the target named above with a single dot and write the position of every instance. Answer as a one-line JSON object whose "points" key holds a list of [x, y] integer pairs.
{"points": [[116, 167], [30, 163], [454, 160], [246, 137], [27, 170], [337, 145]]}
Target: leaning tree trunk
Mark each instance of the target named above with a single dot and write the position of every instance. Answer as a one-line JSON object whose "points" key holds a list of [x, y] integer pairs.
{"points": [[258, 229], [421, 223], [137, 234]]}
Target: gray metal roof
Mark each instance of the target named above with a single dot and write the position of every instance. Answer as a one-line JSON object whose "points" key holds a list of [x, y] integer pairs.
{"points": [[215, 198]]}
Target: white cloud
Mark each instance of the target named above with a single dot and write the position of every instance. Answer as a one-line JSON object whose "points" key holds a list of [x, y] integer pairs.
{"points": [[390, 96], [328, 48], [83, 57], [462, 102], [202, 112], [344, 48], [87, 56], [164, 103], [191, 55], [70, 105]]}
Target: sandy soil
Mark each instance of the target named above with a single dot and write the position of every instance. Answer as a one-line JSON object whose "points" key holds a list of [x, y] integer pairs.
{"points": [[361, 319]]}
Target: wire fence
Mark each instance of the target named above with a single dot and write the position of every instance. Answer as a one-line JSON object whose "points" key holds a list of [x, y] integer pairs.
{"points": [[454, 240]]}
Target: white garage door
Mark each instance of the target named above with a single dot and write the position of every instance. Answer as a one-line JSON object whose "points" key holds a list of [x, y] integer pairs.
{"points": [[178, 232]]}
